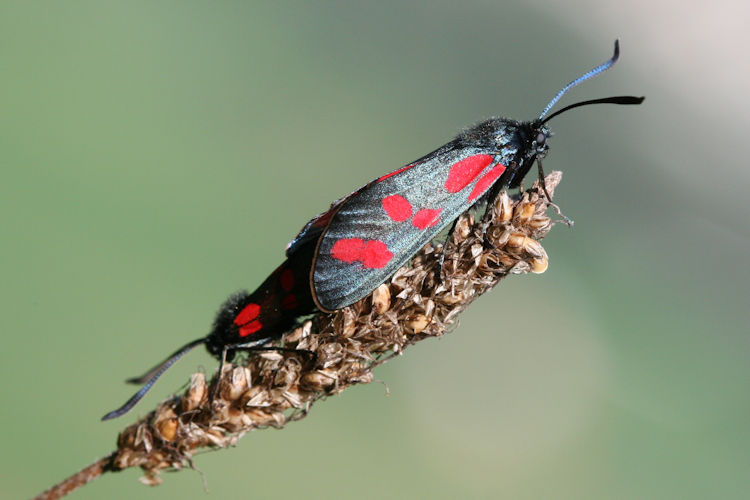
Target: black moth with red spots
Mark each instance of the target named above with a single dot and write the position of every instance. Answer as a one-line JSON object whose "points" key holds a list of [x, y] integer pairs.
{"points": [[366, 236], [343, 254], [246, 320]]}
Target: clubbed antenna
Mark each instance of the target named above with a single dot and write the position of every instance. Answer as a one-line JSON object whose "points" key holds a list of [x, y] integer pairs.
{"points": [[590, 74], [150, 379]]}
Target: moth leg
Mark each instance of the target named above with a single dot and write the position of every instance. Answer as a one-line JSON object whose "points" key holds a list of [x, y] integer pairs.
{"points": [[215, 390], [446, 242], [566, 220], [313, 355], [492, 196]]}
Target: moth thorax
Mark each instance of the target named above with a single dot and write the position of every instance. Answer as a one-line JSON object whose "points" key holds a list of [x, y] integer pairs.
{"points": [[224, 328]]}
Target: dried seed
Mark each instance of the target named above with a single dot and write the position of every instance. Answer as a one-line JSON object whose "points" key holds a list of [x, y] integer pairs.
{"points": [[195, 393], [319, 380], [520, 267], [429, 307], [463, 228], [299, 333], [503, 207], [539, 265], [240, 381], [285, 377], [381, 299], [524, 212], [533, 247], [167, 428], [476, 250], [540, 225], [346, 322], [498, 236], [507, 261], [254, 396], [417, 323], [516, 240], [261, 418]]}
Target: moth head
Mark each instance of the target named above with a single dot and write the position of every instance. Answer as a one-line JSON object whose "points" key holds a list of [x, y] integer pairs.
{"points": [[540, 135]]}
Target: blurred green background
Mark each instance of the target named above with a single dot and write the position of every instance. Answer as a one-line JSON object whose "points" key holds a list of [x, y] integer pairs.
{"points": [[157, 156]]}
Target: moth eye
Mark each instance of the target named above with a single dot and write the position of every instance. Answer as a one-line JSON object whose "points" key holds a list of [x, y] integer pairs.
{"points": [[541, 138]]}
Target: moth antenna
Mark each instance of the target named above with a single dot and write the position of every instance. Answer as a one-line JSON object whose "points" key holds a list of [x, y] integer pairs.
{"points": [[589, 74], [620, 99], [150, 378], [170, 360]]}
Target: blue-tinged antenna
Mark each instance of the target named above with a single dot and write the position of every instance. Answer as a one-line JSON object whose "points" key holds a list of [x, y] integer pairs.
{"points": [[590, 74], [150, 378]]}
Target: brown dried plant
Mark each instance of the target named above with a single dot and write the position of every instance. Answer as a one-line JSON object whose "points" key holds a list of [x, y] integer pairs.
{"points": [[331, 352]]}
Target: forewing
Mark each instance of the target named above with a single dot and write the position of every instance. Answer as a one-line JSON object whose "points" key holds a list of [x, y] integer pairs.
{"points": [[315, 226], [380, 227]]}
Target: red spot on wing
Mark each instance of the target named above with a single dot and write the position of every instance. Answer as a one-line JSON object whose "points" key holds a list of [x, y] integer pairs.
{"points": [[394, 173], [249, 313], [376, 255], [250, 328], [289, 302], [348, 249], [463, 172], [427, 217], [373, 254], [397, 207], [486, 181], [287, 279]]}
